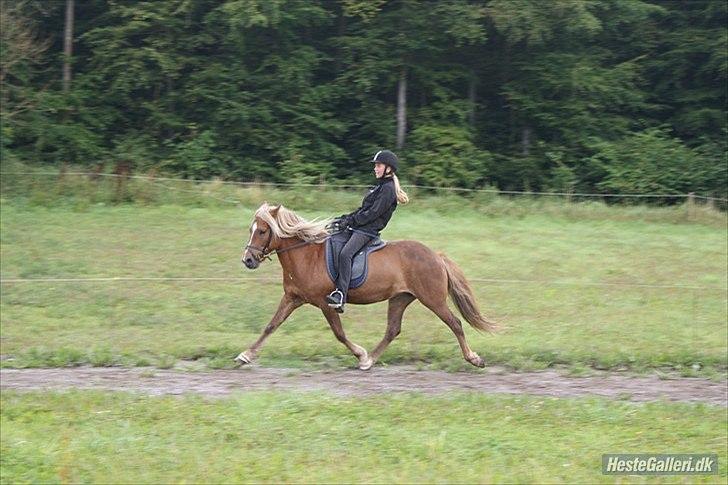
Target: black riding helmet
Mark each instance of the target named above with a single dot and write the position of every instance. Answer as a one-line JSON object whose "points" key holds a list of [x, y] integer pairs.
{"points": [[386, 157]]}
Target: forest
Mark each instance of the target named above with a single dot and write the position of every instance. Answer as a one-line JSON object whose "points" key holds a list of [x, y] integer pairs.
{"points": [[599, 96]]}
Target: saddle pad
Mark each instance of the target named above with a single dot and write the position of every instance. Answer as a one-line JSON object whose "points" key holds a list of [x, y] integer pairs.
{"points": [[359, 269]]}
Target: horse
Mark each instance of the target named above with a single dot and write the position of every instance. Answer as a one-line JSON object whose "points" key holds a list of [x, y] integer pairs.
{"points": [[401, 272]]}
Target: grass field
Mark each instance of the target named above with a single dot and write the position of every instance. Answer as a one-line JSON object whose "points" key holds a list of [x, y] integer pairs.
{"points": [[286, 437], [578, 285], [565, 289]]}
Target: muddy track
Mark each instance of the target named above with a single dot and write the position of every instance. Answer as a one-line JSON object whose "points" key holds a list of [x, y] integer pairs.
{"points": [[378, 380]]}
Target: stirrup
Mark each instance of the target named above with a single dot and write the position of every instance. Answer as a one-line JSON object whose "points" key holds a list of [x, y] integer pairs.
{"points": [[334, 301]]}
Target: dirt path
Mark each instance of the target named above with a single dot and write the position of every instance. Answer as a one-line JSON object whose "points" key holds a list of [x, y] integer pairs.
{"points": [[354, 382]]}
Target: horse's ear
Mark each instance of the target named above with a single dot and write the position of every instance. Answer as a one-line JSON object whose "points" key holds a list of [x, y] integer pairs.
{"points": [[274, 210]]}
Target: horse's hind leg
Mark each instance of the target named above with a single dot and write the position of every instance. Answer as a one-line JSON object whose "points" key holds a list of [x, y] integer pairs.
{"points": [[447, 316], [335, 323], [397, 305]]}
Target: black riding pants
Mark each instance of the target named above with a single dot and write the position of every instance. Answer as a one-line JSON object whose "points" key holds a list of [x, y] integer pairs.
{"points": [[355, 243]]}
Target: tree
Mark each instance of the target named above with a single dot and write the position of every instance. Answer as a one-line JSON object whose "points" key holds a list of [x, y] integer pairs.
{"points": [[397, 55], [560, 87], [516, 93], [68, 45], [21, 54], [688, 68]]}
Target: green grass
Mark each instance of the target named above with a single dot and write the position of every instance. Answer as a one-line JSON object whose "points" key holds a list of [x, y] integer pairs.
{"points": [[70, 230], [87, 436]]}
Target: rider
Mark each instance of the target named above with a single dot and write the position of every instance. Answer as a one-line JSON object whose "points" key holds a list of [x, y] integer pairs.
{"points": [[365, 223]]}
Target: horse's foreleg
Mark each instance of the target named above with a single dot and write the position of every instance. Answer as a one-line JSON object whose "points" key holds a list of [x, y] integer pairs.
{"points": [[397, 305], [287, 305], [335, 323]]}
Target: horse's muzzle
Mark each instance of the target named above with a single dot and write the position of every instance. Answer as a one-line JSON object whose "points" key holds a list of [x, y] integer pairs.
{"points": [[250, 262]]}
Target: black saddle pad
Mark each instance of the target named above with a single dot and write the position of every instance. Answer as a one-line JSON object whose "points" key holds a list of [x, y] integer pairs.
{"points": [[359, 269]]}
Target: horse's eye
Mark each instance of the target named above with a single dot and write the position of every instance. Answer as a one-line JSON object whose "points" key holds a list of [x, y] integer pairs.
{"points": [[261, 231]]}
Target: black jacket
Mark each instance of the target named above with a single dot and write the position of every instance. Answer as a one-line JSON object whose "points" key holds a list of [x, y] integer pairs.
{"points": [[376, 208]]}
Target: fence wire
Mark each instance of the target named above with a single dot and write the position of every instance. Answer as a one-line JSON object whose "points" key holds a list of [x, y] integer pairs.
{"points": [[232, 279]]}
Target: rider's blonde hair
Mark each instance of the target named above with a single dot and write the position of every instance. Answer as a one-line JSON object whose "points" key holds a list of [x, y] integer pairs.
{"points": [[402, 197]]}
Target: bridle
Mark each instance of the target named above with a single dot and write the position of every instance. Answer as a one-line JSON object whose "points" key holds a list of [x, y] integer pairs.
{"points": [[263, 252]]}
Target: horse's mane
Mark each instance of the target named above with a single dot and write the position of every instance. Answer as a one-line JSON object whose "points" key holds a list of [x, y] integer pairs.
{"points": [[285, 223]]}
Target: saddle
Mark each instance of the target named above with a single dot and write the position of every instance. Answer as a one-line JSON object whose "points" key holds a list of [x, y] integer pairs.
{"points": [[359, 269]]}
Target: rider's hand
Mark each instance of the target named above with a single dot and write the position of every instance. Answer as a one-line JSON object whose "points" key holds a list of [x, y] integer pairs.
{"points": [[337, 224]]}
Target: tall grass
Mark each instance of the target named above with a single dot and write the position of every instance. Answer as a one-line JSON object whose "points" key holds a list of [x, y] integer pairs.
{"points": [[35, 187]]}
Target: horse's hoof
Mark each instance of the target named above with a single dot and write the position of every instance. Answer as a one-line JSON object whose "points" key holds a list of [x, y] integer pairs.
{"points": [[243, 359], [477, 361], [366, 365]]}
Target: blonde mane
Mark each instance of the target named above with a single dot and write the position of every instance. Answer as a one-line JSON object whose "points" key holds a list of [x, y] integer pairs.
{"points": [[286, 224]]}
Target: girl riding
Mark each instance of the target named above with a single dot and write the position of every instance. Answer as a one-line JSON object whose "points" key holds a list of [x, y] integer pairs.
{"points": [[365, 223]]}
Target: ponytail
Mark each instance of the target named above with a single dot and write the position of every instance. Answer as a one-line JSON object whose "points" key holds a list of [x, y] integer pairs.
{"points": [[402, 197]]}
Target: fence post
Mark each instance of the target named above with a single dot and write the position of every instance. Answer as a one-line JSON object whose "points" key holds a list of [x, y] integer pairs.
{"points": [[122, 172], [62, 178], [690, 206]]}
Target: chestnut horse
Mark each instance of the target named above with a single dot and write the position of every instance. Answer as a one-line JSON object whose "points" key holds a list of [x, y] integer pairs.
{"points": [[400, 272]]}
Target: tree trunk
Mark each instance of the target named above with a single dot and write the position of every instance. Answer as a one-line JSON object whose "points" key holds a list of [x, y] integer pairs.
{"points": [[401, 108], [526, 141], [68, 46]]}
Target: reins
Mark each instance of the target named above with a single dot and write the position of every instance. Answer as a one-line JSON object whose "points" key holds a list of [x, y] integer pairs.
{"points": [[265, 254]]}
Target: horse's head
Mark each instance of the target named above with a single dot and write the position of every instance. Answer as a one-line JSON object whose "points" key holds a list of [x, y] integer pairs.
{"points": [[272, 226], [262, 237]]}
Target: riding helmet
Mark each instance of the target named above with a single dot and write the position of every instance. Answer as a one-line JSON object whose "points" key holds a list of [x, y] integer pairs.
{"points": [[386, 157]]}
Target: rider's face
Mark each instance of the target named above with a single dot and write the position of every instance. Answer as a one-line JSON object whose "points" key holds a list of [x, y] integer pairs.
{"points": [[379, 169]]}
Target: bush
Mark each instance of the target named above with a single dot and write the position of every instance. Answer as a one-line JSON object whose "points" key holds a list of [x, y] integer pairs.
{"points": [[196, 157], [653, 162], [446, 156]]}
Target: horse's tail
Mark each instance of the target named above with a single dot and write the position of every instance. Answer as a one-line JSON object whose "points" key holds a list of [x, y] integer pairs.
{"points": [[461, 293]]}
